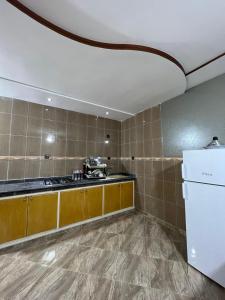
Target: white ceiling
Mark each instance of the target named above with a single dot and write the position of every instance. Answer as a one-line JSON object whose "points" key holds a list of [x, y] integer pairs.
{"points": [[94, 80], [191, 31], [122, 81]]}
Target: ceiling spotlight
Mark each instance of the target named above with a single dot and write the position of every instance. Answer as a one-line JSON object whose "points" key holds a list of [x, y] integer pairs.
{"points": [[107, 113], [49, 99], [106, 141]]}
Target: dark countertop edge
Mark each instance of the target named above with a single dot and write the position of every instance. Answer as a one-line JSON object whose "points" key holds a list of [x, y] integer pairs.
{"points": [[78, 184]]}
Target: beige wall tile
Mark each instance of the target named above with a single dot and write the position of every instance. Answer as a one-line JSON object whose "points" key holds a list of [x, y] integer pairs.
{"points": [[35, 110], [5, 121], [33, 147], [19, 125], [4, 145], [34, 127], [17, 145], [3, 169], [32, 168], [46, 168], [20, 107], [5, 105], [16, 169], [59, 167]]}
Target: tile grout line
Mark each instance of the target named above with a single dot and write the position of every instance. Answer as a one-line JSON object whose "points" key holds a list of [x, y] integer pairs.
{"points": [[42, 115], [10, 137], [25, 162]]}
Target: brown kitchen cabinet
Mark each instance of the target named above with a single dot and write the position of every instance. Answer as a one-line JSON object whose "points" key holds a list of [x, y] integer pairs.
{"points": [[112, 198], [118, 196], [42, 213], [80, 205], [72, 207], [126, 195], [13, 219], [93, 200]]}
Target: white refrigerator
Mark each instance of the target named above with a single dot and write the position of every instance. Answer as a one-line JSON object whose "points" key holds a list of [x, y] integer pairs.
{"points": [[203, 172]]}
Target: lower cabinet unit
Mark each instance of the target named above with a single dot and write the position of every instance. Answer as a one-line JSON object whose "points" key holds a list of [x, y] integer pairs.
{"points": [[93, 199], [32, 214], [112, 198], [126, 194], [13, 219], [42, 213], [118, 196], [80, 205], [72, 207]]}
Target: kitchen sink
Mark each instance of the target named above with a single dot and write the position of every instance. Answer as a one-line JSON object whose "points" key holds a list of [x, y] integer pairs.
{"points": [[53, 181], [115, 176]]}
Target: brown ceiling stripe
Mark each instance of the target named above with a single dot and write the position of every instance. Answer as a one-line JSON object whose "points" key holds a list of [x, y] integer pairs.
{"points": [[90, 42], [205, 64]]}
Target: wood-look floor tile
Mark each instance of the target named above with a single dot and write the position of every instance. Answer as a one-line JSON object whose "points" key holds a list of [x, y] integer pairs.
{"points": [[123, 257], [169, 275], [80, 259], [89, 287], [71, 235], [54, 284], [203, 287], [132, 269], [113, 226], [18, 278], [108, 241], [46, 254], [88, 237], [157, 231], [124, 291], [160, 248], [106, 265], [133, 244]]}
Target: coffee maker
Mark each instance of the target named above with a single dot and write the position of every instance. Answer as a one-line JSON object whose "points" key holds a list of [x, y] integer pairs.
{"points": [[94, 168]]}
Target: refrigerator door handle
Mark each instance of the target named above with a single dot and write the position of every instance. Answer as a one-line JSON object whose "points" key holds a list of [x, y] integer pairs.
{"points": [[183, 170], [184, 190]]}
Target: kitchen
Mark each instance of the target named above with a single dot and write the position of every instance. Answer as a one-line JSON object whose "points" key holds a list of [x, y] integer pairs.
{"points": [[91, 153]]}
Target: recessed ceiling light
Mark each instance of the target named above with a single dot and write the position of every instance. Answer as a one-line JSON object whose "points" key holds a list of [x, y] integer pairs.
{"points": [[107, 113], [106, 141], [49, 99]]}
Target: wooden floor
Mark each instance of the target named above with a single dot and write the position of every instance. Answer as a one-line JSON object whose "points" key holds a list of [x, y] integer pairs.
{"points": [[124, 257]]}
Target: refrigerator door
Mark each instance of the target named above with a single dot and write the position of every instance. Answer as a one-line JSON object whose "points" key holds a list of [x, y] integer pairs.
{"points": [[207, 166], [205, 228]]}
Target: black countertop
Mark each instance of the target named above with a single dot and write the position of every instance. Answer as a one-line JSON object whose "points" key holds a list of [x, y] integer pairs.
{"points": [[22, 187]]}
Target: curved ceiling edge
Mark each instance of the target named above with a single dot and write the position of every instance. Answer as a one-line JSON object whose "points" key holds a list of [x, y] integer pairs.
{"points": [[205, 64], [89, 42]]}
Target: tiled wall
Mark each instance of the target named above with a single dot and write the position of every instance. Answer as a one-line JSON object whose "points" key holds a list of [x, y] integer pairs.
{"points": [[158, 189], [29, 131]]}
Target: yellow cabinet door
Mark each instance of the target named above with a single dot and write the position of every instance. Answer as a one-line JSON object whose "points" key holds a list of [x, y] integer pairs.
{"points": [[111, 198], [42, 213], [72, 207], [93, 200], [126, 194], [13, 219]]}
